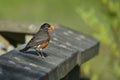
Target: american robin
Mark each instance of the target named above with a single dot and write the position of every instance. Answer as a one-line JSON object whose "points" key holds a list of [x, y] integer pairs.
{"points": [[40, 40]]}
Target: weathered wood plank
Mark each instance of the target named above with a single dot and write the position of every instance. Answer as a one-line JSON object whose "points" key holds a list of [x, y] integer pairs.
{"points": [[66, 50], [14, 38], [19, 27], [81, 42]]}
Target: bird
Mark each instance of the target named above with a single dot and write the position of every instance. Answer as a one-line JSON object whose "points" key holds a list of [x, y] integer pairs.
{"points": [[40, 40]]}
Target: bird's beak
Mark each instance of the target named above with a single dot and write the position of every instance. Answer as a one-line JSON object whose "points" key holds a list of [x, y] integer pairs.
{"points": [[52, 28]]}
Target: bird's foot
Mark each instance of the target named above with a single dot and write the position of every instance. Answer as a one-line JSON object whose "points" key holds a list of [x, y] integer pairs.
{"points": [[43, 57]]}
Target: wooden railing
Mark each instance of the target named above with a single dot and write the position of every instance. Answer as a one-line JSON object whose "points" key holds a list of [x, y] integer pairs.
{"points": [[67, 50]]}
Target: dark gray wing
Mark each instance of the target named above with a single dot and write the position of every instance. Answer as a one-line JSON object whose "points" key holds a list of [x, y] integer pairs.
{"points": [[38, 38]]}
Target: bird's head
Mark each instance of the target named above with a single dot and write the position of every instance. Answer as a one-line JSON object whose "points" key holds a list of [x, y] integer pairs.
{"points": [[47, 26]]}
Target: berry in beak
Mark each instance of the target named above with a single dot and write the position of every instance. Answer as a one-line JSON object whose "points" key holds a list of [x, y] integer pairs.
{"points": [[52, 28]]}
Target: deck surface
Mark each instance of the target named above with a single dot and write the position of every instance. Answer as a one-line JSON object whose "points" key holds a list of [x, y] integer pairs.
{"points": [[67, 49]]}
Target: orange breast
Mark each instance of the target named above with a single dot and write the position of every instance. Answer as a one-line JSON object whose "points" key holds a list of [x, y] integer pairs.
{"points": [[43, 45]]}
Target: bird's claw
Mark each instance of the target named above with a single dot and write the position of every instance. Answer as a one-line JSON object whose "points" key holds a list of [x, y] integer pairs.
{"points": [[43, 57]]}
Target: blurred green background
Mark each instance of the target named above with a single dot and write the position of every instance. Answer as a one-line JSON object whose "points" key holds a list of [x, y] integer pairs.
{"points": [[98, 18]]}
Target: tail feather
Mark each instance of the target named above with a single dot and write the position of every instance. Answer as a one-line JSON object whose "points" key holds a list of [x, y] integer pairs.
{"points": [[24, 49]]}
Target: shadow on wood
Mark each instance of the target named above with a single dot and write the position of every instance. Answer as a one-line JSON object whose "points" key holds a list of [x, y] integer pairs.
{"points": [[74, 74]]}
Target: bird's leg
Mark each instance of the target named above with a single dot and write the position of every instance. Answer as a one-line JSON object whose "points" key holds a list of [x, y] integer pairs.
{"points": [[41, 53], [37, 51]]}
